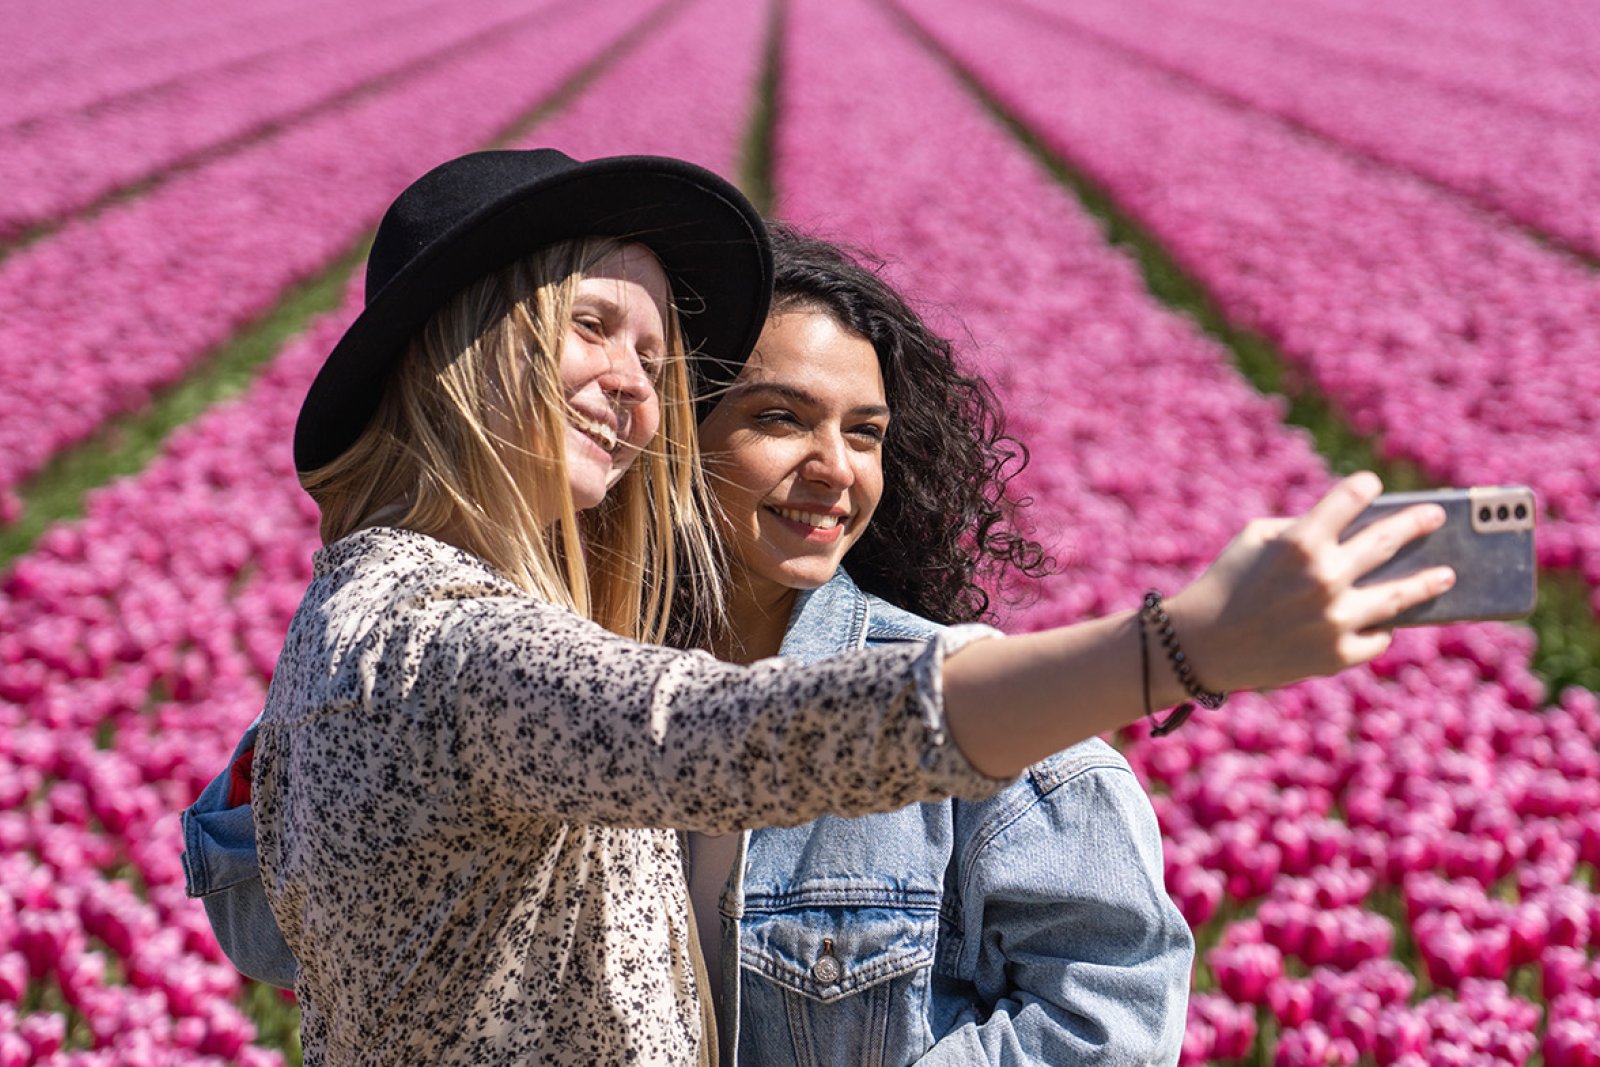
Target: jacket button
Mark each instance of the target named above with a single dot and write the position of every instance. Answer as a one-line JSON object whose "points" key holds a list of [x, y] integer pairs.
{"points": [[826, 969]]}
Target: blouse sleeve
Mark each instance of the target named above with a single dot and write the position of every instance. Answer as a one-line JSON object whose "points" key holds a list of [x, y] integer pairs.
{"points": [[586, 725], [528, 710]]}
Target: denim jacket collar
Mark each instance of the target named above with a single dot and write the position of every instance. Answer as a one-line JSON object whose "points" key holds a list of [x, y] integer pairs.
{"points": [[840, 617]]}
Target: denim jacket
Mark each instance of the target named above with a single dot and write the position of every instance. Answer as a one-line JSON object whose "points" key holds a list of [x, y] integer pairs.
{"points": [[220, 866], [1031, 928]]}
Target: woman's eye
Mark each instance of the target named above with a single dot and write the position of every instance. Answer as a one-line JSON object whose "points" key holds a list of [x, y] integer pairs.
{"points": [[589, 324], [871, 432], [776, 417]]}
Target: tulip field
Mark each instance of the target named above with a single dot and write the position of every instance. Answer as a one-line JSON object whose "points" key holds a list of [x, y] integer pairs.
{"points": [[1391, 204]]}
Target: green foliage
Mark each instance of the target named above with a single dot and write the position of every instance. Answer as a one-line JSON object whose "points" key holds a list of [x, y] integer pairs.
{"points": [[755, 176], [277, 1020], [1568, 632]]}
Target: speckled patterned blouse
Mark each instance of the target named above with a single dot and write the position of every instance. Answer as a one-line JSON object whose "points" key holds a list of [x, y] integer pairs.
{"points": [[455, 791]]}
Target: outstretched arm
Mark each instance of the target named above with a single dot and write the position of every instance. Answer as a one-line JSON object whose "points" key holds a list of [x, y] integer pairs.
{"points": [[1278, 605]]}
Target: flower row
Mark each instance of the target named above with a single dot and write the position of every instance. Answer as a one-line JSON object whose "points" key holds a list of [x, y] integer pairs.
{"points": [[1463, 345], [1537, 168], [109, 309], [1296, 824], [1536, 60], [80, 56], [69, 160]]}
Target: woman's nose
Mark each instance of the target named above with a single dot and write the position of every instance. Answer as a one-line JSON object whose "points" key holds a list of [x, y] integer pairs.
{"points": [[829, 462], [626, 380]]}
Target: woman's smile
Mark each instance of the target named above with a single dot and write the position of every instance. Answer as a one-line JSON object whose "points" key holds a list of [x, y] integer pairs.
{"points": [[818, 527], [599, 431]]}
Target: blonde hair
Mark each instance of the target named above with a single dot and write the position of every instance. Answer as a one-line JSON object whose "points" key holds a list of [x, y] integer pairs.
{"points": [[469, 440]]}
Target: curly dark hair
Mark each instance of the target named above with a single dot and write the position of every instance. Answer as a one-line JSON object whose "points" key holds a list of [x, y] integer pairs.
{"points": [[947, 522]]}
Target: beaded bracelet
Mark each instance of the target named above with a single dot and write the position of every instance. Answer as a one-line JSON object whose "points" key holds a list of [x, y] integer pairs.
{"points": [[1153, 614]]}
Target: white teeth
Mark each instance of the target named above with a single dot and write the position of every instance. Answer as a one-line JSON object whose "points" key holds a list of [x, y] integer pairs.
{"points": [[811, 518], [604, 434]]}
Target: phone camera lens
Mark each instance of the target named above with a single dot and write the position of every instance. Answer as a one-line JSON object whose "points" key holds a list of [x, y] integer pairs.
{"points": [[1522, 511], [1484, 514], [1502, 513]]}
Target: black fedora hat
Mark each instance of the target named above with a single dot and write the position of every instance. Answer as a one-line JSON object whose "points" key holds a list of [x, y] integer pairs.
{"points": [[479, 212]]}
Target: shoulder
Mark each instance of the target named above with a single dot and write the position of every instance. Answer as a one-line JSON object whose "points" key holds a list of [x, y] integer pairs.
{"points": [[392, 582], [887, 623], [384, 560], [388, 608], [1054, 779], [1085, 758], [1091, 782]]}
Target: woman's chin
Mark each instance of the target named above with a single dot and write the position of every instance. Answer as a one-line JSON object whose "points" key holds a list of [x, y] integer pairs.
{"points": [[806, 574], [588, 489]]}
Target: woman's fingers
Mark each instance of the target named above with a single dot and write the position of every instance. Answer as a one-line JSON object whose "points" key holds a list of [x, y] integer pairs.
{"points": [[1353, 649], [1328, 517], [1365, 608], [1377, 542], [1281, 602]]}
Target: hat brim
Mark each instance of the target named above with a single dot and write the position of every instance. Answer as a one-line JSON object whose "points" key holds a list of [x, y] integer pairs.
{"points": [[712, 245]]}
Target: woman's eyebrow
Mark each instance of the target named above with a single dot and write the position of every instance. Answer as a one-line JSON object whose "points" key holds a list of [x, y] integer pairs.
{"points": [[608, 307], [596, 302], [779, 390], [795, 394]]}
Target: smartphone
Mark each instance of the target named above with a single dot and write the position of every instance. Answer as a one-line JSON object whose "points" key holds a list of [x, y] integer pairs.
{"points": [[1487, 539]]}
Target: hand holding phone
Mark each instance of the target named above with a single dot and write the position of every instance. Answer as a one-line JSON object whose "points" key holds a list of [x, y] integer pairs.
{"points": [[1487, 539]]}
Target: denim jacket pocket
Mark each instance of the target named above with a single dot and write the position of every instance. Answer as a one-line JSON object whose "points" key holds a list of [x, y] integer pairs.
{"points": [[836, 984]]}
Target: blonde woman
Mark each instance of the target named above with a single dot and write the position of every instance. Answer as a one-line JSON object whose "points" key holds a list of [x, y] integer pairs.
{"points": [[467, 764]]}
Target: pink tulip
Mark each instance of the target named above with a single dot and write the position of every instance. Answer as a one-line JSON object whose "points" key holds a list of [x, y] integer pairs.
{"points": [[1568, 914], [1568, 1043], [253, 1056], [1290, 1001], [15, 1051], [1563, 969], [1227, 1030], [1529, 928], [1246, 972], [1310, 1044], [1285, 924], [82, 976], [1323, 937], [1409, 855], [45, 1032], [14, 977], [1447, 952], [1199, 1043], [43, 937], [1355, 1020], [1492, 953], [1399, 1032], [1388, 979], [1197, 893]]}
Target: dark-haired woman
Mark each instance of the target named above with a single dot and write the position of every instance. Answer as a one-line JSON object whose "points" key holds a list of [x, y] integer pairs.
{"points": [[862, 479]]}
